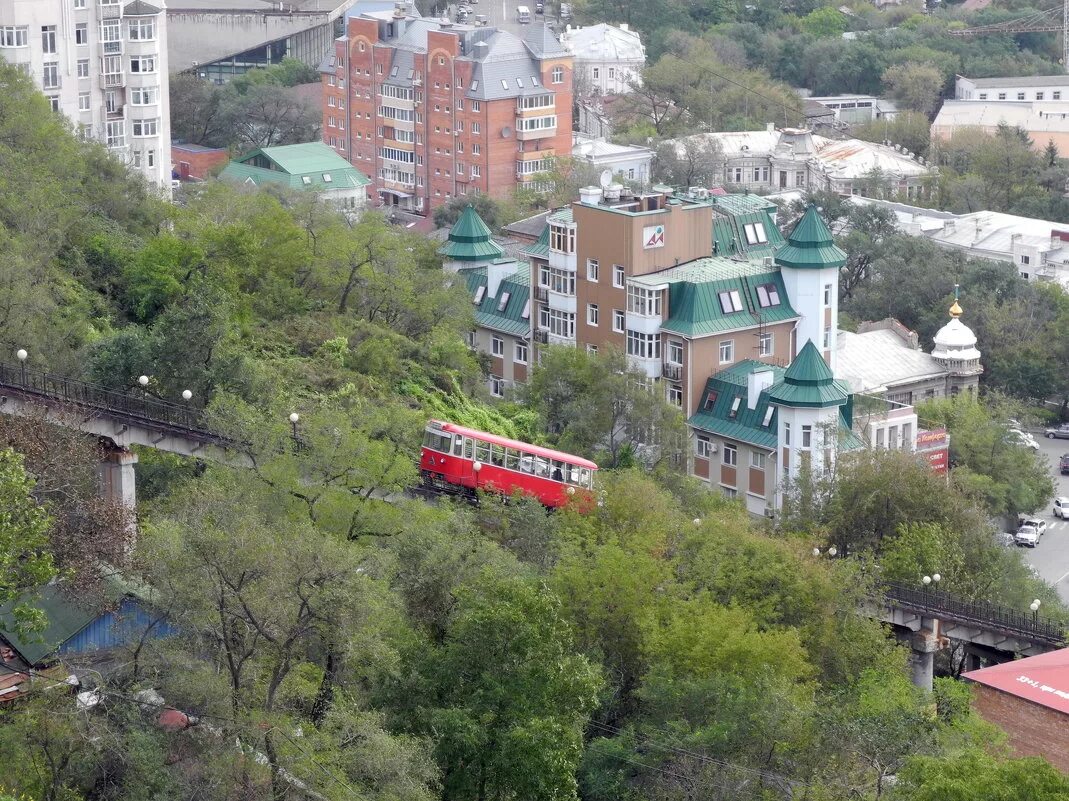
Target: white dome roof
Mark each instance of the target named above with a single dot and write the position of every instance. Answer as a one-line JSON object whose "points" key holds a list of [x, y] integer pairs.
{"points": [[955, 340]]}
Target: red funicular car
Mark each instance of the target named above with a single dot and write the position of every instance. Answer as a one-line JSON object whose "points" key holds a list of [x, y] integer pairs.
{"points": [[459, 459]]}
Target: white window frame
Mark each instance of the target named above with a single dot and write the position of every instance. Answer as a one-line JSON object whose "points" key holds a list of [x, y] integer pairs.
{"points": [[727, 351], [593, 270], [619, 275], [619, 320], [497, 345], [729, 455], [593, 314], [765, 344], [703, 446], [519, 353]]}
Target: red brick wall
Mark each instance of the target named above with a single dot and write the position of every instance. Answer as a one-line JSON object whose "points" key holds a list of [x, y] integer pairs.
{"points": [[1033, 730], [196, 163]]}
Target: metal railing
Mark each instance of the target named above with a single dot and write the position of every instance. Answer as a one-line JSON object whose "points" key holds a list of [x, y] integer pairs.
{"points": [[126, 407], [673, 372], [981, 614]]}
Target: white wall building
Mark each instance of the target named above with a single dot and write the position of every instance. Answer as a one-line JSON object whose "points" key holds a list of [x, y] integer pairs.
{"points": [[795, 158], [607, 58], [101, 63], [1029, 87], [628, 161]]}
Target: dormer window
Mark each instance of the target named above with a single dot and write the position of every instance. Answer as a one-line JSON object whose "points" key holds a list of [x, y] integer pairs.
{"points": [[306, 180], [710, 399], [479, 294], [501, 304], [393, 72], [730, 301], [768, 295], [768, 416], [755, 233], [735, 404], [326, 178]]}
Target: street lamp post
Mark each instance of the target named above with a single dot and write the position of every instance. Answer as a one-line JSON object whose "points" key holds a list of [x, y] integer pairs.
{"points": [[1034, 606], [143, 381], [22, 356], [294, 417], [186, 394]]}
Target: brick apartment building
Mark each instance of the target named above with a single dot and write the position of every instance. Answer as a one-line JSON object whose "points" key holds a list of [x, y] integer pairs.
{"points": [[430, 110]]}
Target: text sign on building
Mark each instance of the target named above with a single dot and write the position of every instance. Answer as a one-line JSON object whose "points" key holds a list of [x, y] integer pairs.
{"points": [[653, 237], [934, 447]]}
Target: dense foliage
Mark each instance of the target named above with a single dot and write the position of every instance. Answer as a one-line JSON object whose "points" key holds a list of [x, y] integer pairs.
{"points": [[337, 638]]}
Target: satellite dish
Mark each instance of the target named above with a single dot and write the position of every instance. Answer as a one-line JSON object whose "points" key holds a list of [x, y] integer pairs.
{"points": [[506, 132], [605, 179]]}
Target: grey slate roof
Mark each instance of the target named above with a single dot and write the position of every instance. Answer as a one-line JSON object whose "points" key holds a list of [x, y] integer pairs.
{"points": [[139, 8], [542, 42], [506, 59]]}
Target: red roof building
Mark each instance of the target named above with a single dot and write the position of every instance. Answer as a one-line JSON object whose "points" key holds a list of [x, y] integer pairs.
{"points": [[1029, 700]]}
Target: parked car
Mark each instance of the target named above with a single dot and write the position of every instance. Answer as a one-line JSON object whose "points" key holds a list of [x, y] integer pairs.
{"points": [[1058, 432], [540, 8], [1018, 437], [1061, 508], [565, 11], [1063, 465], [1006, 539], [1027, 536]]}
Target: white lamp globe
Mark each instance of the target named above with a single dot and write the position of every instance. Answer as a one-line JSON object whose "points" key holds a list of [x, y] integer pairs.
{"points": [[186, 394]]}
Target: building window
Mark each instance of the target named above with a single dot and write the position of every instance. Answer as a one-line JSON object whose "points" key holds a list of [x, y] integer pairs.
{"points": [[757, 460], [643, 346], [48, 38], [675, 351], [592, 314], [1001, 95], [618, 276], [83, 68], [755, 233], [1039, 95], [1020, 95], [497, 346], [521, 353], [983, 95], [146, 127], [807, 436], [617, 320], [53, 101], [50, 76], [596, 73], [764, 344], [145, 96], [786, 433], [729, 455], [767, 295], [137, 158], [827, 337], [827, 295], [646, 302], [558, 75], [1056, 95], [592, 270], [81, 33], [83, 101], [703, 447], [497, 387], [142, 64], [562, 239], [592, 349], [476, 128], [142, 30], [559, 323], [727, 351], [115, 134], [14, 36], [730, 301], [476, 105], [1025, 260], [675, 395]]}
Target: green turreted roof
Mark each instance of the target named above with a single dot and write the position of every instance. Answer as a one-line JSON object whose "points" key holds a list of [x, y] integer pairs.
{"points": [[809, 382], [303, 166], [510, 319], [470, 239], [715, 417], [810, 245]]}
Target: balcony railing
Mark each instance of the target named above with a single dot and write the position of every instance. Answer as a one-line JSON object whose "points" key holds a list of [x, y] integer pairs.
{"points": [[541, 294], [541, 337], [111, 11], [673, 372], [118, 79]]}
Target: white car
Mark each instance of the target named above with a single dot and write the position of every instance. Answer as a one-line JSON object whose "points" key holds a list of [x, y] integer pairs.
{"points": [[1018, 437], [1061, 508], [1027, 535], [1039, 525]]}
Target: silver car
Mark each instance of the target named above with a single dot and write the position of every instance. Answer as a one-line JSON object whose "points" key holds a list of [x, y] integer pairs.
{"points": [[1027, 535], [1058, 432]]}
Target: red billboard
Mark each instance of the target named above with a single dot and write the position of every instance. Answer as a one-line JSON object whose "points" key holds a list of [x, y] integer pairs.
{"points": [[934, 447]]}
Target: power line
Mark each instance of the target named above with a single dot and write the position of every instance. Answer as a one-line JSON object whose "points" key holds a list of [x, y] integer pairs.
{"points": [[134, 700]]}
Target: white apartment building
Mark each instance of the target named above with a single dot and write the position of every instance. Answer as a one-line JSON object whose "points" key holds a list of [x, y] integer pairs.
{"points": [[103, 64], [1024, 88]]}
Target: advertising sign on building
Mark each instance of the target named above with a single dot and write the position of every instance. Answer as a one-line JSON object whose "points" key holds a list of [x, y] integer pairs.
{"points": [[934, 447], [653, 237]]}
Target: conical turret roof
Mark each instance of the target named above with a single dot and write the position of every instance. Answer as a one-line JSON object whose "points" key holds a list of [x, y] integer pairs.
{"points": [[469, 239], [809, 382], [810, 246]]}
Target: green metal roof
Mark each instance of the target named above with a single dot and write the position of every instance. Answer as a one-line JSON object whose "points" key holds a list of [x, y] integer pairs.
{"points": [[540, 248], [809, 382], [729, 235], [746, 426], [694, 288], [510, 319], [563, 215], [304, 166], [810, 245], [470, 240], [741, 203], [66, 617]]}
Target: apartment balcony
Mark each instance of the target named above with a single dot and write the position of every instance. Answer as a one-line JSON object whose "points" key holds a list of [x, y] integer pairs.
{"points": [[111, 48], [397, 102], [673, 372], [117, 80], [111, 11], [114, 112], [541, 337], [540, 133], [541, 294], [540, 111], [398, 186]]}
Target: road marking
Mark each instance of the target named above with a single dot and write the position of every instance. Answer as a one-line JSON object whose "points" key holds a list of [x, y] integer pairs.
{"points": [[1059, 581]]}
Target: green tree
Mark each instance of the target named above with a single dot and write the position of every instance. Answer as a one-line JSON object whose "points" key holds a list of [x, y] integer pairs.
{"points": [[25, 563], [599, 404], [915, 86], [824, 21], [910, 129], [976, 774]]}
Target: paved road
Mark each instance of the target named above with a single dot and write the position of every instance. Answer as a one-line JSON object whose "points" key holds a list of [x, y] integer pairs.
{"points": [[1051, 557], [502, 13]]}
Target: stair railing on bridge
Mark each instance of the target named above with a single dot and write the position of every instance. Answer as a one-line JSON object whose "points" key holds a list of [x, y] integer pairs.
{"points": [[982, 614], [127, 407]]}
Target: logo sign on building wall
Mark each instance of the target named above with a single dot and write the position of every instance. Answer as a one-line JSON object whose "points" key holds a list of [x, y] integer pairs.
{"points": [[653, 237]]}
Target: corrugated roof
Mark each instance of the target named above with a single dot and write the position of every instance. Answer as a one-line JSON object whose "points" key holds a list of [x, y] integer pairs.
{"points": [[66, 617], [1042, 679], [1022, 81], [810, 245], [741, 203], [746, 425], [878, 360], [729, 235], [469, 239], [302, 166], [809, 382], [509, 320], [1038, 117]]}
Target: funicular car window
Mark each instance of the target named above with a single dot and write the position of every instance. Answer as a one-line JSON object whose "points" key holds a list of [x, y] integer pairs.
{"points": [[512, 459], [482, 451], [584, 477], [497, 455], [458, 444], [436, 441], [469, 447]]}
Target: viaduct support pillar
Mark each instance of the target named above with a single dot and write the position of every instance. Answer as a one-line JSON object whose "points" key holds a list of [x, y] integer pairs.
{"points": [[118, 485], [924, 644]]}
